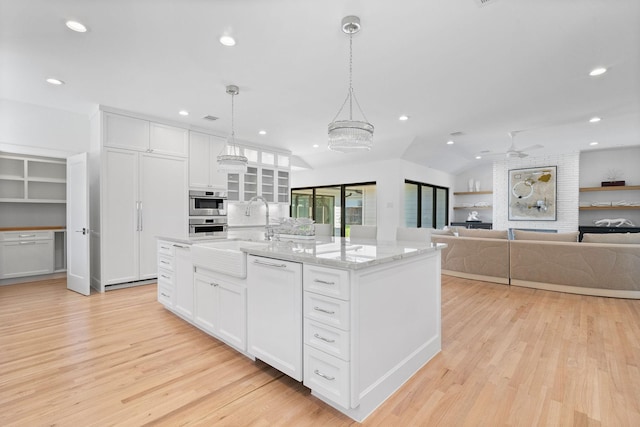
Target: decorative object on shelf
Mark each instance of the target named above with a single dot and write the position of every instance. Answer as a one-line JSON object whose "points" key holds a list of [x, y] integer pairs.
{"points": [[617, 222], [230, 160], [350, 135], [473, 216], [613, 180], [470, 184], [481, 205], [601, 204], [477, 185], [532, 195]]}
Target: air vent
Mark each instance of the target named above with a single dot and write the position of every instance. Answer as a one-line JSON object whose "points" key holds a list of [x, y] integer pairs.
{"points": [[484, 2], [211, 118], [459, 133]]}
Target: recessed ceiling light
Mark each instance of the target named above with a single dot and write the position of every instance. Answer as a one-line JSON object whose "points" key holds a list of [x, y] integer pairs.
{"points": [[76, 26], [315, 145], [183, 112], [478, 157], [403, 118], [450, 142], [594, 119], [593, 143], [227, 40], [56, 82], [263, 132], [598, 71]]}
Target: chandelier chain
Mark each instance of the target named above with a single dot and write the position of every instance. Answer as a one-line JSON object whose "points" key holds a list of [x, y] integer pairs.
{"points": [[350, 76]]}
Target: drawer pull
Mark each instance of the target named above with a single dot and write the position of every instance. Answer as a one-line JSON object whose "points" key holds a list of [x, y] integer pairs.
{"points": [[269, 264], [324, 282], [164, 295], [164, 276], [28, 243], [165, 247], [26, 235], [325, 376], [213, 284], [323, 310], [164, 262], [320, 337], [180, 246]]}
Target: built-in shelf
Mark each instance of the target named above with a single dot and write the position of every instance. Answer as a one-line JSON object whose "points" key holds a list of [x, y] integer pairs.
{"points": [[607, 208], [614, 188], [469, 193]]}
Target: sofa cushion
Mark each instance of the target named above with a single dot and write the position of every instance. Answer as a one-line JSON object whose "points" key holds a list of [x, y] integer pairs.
{"points": [[448, 232], [486, 234], [628, 238], [547, 237]]}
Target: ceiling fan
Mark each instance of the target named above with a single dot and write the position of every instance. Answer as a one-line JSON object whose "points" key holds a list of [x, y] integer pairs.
{"points": [[513, 151]]}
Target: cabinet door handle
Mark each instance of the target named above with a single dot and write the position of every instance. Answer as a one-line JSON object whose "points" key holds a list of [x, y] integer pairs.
{"points": [[137, 215], [323, 310], [140, 215], [26, 235], [269, 264], [320, 337], [324, 282], [28, 243], [180, 246], [325, 376]]}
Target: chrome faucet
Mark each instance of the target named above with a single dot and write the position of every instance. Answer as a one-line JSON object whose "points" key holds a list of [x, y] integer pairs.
{"points": [[268, 234]]}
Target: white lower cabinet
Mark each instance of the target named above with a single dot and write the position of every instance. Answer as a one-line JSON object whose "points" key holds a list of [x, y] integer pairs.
{"points": [[327, 333], [275, 313], [166, 282], [221, 307], [183, 273], [25, 253]]}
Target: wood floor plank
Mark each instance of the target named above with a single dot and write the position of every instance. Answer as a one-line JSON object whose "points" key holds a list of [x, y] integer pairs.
{"points": [[510, 357]]}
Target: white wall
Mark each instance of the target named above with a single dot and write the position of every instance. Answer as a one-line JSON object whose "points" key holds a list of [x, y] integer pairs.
{"points": [[566, 197], [389, 176], [36, 130]]}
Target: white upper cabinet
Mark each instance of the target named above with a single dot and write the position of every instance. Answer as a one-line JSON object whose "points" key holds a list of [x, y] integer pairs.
{"points": [[126, 132], [203, 161], [141, 135], [168, 140]]}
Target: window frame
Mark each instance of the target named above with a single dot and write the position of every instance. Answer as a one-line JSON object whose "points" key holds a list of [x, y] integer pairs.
{"points": [[434, 217]]}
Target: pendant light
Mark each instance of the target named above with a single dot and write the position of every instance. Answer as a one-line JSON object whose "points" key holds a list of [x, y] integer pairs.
{"points": [[230, 160], [350, 135]]}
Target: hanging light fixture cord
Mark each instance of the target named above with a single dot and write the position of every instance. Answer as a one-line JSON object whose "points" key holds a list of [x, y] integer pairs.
{"points": [[351, 95]]}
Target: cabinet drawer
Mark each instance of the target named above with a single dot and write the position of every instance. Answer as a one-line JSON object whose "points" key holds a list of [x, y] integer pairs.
{"points": [[164, 294], [326, 281], [165, 262], [330, 311], [165, 248], [15, 236], [331, 340], [326, 375], [165, 276]]}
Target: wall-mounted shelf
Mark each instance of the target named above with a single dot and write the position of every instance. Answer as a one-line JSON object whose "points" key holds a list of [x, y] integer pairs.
{"points": [[470, 193], [616, 188], [473, 207], [607, 208], [32, 180]]}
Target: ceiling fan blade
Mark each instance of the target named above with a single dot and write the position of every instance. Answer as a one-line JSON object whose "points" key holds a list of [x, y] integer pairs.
{"points": [[531, 147]]}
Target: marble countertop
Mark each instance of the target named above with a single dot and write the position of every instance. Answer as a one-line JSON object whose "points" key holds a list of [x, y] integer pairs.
{"points": [[341, 252]]}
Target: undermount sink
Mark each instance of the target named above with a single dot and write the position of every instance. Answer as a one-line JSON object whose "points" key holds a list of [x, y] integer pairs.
{"points": [[224, 256]]}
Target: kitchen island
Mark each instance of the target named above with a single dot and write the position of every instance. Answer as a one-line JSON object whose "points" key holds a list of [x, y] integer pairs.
{"points": [[352, 319]]}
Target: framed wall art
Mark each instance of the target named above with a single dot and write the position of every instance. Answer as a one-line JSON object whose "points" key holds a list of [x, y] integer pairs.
{"points": [[532, 194]]}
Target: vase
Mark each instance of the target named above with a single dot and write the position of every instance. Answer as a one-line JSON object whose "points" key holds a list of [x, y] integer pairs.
{"points": [[477, 185], [470, 184]]}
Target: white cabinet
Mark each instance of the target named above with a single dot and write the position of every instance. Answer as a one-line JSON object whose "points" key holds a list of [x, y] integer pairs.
{"points": [[143, 195], [221, 307], [141, 135], [175, 278], [327, 315], [29, 179], [26, 253], [275, 313], [203, 161]]}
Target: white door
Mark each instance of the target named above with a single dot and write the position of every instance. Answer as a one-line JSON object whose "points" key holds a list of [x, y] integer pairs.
{"points": [[78, 277]]}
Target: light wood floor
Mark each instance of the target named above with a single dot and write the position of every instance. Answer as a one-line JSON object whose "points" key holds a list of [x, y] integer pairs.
{"points": [[510, 357]]}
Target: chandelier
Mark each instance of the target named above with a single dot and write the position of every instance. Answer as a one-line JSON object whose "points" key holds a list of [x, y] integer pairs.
{"points": [[231, 160], [350, 135]]}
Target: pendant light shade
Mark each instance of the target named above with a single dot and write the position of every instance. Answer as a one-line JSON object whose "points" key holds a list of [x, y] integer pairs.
{"points": [[231, 160], [350, 135]]}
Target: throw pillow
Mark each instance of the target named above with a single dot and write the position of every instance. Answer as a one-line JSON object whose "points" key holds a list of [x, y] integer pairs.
{"points": [[547, 237], [486, 234], [627, 238]]}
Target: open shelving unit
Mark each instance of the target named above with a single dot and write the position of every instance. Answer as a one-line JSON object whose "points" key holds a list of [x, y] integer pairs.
{"points": [[609, 208], [31, 180]]}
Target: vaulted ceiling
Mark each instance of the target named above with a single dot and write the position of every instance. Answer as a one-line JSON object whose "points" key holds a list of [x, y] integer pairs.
{"points": [[464, 67]]}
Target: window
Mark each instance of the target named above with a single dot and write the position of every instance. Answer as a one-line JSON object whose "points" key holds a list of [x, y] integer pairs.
{"points": [[339, 205], [425, 205]]}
